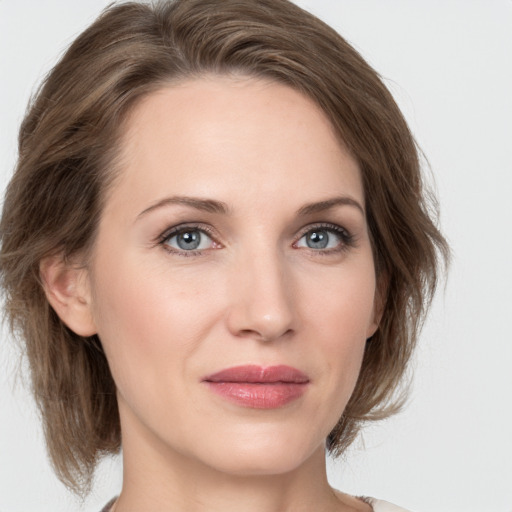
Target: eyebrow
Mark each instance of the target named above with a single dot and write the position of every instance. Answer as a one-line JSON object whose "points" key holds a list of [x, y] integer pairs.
{"points": [[205, 205], [219, 207], [327, 204]]}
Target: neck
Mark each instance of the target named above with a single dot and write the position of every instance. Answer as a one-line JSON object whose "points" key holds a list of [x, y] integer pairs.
{"points": [[156, 477]]}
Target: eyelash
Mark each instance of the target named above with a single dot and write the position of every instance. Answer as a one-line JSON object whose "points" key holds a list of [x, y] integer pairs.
{"points": [[347, 239]]}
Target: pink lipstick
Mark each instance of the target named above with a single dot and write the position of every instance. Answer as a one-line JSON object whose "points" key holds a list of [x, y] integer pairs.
{"points": [[257, 387]]}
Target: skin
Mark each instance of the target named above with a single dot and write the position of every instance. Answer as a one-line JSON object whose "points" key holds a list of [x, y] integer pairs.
{"points": [[254, 293]]}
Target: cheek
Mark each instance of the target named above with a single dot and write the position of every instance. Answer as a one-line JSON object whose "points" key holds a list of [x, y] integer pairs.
{"points": [[341, 302], [149, 323], [340, 318]]}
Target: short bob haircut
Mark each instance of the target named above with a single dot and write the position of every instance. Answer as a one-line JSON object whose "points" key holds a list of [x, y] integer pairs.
{"points": [[68, 144]]}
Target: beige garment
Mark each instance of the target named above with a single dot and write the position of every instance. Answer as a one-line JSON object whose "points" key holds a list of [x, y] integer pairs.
{"points": [[384, 506]]}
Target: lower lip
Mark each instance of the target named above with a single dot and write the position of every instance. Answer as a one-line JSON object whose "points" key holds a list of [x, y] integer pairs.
{"points": [[259, 396]]}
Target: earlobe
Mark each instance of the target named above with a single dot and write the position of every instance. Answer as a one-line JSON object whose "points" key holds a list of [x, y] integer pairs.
{"points": [[372, 328], [67, 289], [375, 319], [379, 304]]}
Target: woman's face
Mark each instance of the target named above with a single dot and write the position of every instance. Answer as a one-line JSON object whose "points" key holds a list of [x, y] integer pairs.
{"points": [[234, 237]]}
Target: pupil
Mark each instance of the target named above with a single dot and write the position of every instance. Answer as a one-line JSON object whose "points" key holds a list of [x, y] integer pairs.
{"points": [[318, 240], [189, 240]]}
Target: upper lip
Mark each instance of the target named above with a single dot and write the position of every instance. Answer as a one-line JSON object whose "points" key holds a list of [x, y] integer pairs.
{"points": [[259, 374]]}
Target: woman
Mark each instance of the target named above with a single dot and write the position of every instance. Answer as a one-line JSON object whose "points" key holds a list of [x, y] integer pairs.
{"points": [[217, 252]]}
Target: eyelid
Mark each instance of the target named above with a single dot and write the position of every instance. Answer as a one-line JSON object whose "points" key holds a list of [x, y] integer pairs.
{"points": [[324, 225], [180, 228]]}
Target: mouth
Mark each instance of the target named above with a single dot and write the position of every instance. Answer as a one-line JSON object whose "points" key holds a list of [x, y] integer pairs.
{"points": [[259, 387]]}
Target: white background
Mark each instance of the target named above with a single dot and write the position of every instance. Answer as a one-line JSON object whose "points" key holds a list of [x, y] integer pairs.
{"points": [[449, 65]]}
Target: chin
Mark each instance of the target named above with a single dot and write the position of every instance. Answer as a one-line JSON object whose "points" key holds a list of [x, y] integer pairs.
{"points": [[262, 455]]}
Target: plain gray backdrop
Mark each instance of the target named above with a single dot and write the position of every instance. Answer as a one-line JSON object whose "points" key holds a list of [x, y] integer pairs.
{"points": [[449, 65]]}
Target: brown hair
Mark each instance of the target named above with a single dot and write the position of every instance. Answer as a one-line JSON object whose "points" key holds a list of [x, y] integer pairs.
{"points": [[67, 146]]}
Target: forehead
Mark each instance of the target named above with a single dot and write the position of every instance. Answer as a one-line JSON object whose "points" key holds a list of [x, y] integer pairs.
{"points": [[214, 135]]}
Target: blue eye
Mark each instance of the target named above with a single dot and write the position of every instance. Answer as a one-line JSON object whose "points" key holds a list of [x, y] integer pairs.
{"points": [[322, 238], [189, 239]]}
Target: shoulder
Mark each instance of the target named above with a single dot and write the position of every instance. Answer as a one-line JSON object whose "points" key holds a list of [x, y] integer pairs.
{"points": [[384, 506], [108, 506], [355, 502]]}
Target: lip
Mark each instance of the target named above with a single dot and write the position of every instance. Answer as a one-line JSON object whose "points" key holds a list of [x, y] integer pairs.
{"points": [[259, 387]]}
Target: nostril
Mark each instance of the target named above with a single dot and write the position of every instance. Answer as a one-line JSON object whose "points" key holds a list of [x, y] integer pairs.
{"points": [[264, 335]]}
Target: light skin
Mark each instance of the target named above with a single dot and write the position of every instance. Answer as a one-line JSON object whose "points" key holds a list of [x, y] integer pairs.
{"points": [[283, 275]]}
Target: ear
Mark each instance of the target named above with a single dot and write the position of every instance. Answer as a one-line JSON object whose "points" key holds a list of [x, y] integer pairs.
{"points": [[379, 303], [67, 289]]}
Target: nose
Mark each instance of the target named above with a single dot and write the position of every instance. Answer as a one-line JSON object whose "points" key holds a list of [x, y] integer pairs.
{"points": [[262, 303]]}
